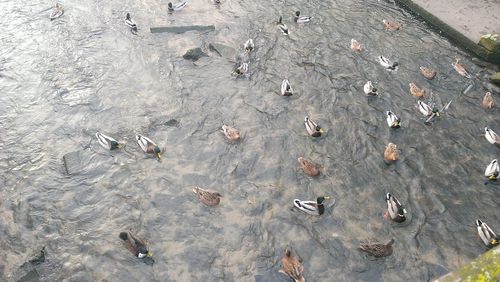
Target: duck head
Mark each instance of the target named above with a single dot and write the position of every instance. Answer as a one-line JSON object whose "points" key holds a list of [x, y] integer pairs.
{"points": [[321, 199], [156, 152]]}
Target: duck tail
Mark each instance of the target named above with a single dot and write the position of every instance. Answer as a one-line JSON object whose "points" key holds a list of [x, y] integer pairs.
{"points": [[124, 236]]}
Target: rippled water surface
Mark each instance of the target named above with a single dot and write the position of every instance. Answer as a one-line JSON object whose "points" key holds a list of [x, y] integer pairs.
{"points": [[61, 81]]}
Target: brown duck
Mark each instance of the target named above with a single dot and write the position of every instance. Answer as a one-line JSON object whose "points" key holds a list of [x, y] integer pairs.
{"points": [[390, 25], [391, 153], [415, 91], [292, 267], [231, 133], [209, 198], [427, 72], [377, 249], [487, 102], [309, 168]]}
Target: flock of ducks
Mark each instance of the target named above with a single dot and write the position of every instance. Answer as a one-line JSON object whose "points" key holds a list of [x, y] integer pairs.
{"points": [[291, 264]]}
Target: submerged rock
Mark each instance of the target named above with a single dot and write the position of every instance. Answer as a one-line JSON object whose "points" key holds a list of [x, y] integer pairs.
{"points": [[74, 162], [194, 54], [223, 50], [495, 78], [27, 272], [182, 29]]}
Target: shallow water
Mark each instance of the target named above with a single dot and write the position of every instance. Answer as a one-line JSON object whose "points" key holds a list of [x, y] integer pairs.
{"points": [[62, 81]]}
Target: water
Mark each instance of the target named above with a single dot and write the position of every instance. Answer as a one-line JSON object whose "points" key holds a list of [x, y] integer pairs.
{"points": [[62, 81]]}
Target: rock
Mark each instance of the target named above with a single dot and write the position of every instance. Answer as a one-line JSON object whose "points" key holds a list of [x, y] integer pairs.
{"points": [[27, 272], [490, 42], [194, 54], [223, 50], [182, 29], [495, 78], [75, 161]]}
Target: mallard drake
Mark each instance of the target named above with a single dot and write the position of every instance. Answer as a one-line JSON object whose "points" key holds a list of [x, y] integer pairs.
{"points": [[460, 69], [303, 19], [489, 238], [177, 7], [487, 102], [415, 91], [148, 146], [391, 153], [492, 170], [390, 25], [377, 249], [209, 198], [355, 45], [393, 120], [291, 266], [312, 127], [387, 64], [135, 245], [286, 88], [427, 72], [395, 211], [249, 46], [281, 26], [108, 142], [56, 12], [230, 132], [309, 168], [241, 69], [129, 22], [369, 89], [491, 136], [427, 110], [312, 207]]}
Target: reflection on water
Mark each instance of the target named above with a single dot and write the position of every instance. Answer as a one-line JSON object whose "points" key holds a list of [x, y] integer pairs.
{"points": [[64, 80]]}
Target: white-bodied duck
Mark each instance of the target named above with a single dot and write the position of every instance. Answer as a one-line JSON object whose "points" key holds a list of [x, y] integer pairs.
{"points": [[56, 12], [393, 120], [312, 127], [369, 89], [489, 238], [148, 146], [301, 19], [249, 45], [108, 142], [492, 170], [427, 110], [312, 207], [177, 6], [395, 211], [491, 136], [286, 88], [387, 64], [242, 69], [282, 26], [130, 22]]}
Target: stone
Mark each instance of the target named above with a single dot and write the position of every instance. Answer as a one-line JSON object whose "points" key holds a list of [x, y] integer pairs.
{"points": [[490, 42], [223, 50], [182, 29], [194, 54], [495, 78], [74, 162]]}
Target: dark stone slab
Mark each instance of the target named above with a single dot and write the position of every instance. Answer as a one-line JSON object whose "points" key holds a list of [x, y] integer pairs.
{"points": [[182, 29], [223, 50], [74, 162], [194, 54]]}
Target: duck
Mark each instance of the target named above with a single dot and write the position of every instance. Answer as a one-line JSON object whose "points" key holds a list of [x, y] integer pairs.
{"points": [[489, 238], [415, 91], [241, 69], [281, 26], [427, 72], [369, 89], [286, 88], [312, 207], [291, 266], [390, 25], [491, 136], [301, 19], [209, 198], [393, 120], [308, 167], [487, 102], [391, 153], [129, 22], [355, 45], [387, 64], [460, 69], [177, 7], [377, 249], [427, 110], [249, 46], [135, 245], [108, 142], [492, 170], [395, 211], [148, 146], [312, 127], [57, 12], [231, 133]]}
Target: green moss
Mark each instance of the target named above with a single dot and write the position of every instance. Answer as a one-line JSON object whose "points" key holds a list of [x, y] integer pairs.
{"points": [[484, 268]]}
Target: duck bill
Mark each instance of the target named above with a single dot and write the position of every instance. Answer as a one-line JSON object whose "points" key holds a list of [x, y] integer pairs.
{"points": [[119, 146], [158, 156], [149, 254], [321, 130]]}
